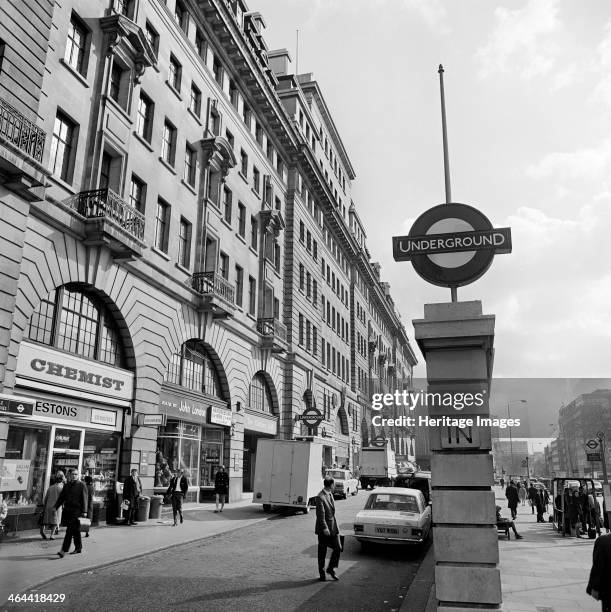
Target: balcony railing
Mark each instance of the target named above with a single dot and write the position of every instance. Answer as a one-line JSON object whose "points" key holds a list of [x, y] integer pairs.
{"points": [[24, 134], [272, 327], [106, 203], [212, 283]]}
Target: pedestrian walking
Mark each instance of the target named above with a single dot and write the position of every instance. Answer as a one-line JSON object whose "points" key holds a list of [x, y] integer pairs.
{"points": [[502, 483], [221, 487], [599, 585], [132, 490], [52, 517], [575, 517], [511, 493], [522, 493], [539, 504], [73, 497], [327, 530], [89, 484], [532, 497], [179, 485]]}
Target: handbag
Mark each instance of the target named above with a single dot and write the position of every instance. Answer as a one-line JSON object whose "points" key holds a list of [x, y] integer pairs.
{"points": [[340, 539], [84, 524]]}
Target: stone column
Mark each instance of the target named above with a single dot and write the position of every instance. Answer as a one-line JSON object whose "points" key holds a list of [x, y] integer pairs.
{"points": [[457, 343]]}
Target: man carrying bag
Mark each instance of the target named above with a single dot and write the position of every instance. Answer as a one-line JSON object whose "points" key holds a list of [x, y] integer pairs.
{"points": [[327, 530], [132, 489], [74, 500]]}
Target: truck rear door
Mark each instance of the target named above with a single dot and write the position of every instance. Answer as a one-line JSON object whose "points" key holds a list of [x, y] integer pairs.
{"points": [[282, 465]]}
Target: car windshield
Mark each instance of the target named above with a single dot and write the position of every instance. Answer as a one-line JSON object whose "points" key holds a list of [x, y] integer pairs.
{"points": [[392, 501], [337, 474]]}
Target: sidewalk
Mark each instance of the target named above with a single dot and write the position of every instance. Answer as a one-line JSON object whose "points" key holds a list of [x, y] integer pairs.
{"points": [[28, 560], [544, 572]]}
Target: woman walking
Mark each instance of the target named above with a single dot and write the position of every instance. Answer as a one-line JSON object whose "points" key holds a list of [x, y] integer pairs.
{"points": [[51, 517], [522, 493]]}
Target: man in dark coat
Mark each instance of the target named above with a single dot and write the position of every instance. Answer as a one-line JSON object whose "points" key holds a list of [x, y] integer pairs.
{"points": [[74, 499], [599, 585], [132, 490], [532, 497], [221, 487], [179, 485], [327, 530], [511, 493]]}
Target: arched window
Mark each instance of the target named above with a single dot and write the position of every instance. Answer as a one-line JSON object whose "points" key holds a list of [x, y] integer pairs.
{"points": [[260, 395], [194, 369], [74, 320]]}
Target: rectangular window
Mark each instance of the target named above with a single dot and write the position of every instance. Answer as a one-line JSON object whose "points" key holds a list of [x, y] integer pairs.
{"points": [[308, 285], [252, 295], [181, 15], [62, 147], [2, 48], [152, 37], [277, 257], [195, 101], [174, 73], [239, 285], [144, 119], [254, 231], [190, 165], [224, 265], [168, 143], [200, 44], [227, 197], [233, 93], [322, 351], [162, 221], [315, 293], [276, 309], [256, 179], [301, 232], [314, 341], [76, 45], [137, 194], [230, 138], [315, 250], [308, 341], [116, 75], [300, 329], [259, 134], [184, 243], [214, 123], [243, 163], [270, 151], [308, 240], [278, 203], [241, 219], [301, 276], [247, 115], [217, 70]]}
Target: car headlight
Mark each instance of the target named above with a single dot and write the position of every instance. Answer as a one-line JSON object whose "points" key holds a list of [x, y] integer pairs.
{"points": [[358, 527], [417, 532]]}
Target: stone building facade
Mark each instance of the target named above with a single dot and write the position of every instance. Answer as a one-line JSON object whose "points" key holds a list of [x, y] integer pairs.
{"points": [[184, 271]]}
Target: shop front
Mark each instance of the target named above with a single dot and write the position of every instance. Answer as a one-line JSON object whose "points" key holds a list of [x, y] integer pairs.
{"points": [[67, 412], [257, 425], [195, 438]]}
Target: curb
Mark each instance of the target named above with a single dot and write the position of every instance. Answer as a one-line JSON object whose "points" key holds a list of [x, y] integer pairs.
{"points": [[421, 593]]}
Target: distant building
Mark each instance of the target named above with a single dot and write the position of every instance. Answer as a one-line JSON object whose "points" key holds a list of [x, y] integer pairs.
{"points": [[508, 456]]}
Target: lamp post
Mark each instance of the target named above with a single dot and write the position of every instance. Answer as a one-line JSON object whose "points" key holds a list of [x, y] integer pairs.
{"points": [[523, 401]]}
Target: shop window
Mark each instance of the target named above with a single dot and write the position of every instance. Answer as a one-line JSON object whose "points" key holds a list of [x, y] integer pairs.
{"points": [[194, 369], [100, 461], [27, 452], [78, 322], [178, 447]]}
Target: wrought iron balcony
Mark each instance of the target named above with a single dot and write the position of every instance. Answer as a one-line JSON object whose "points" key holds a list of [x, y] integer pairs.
{"points": [[218, 294], [21, 132], [110, 221], [271, 327]]}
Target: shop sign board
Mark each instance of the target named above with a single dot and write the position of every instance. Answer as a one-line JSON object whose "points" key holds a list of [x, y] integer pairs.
{"points": [[73, 374], [220, 416], [14, 474], [152, 420], [261, 424], [103, 417], [53, 411], [175, 405], [12, 404], [592, 456]]}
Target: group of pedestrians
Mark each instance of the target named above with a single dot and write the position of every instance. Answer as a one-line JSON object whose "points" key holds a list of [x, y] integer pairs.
{"points": [[517, 493], [581, 512]]}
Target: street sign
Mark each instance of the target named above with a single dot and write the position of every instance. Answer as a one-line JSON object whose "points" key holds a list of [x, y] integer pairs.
{"points": [[312, 417], [451, 245], [600, 435], [378, 441], [592, 444], [593, 456], [16, 405]]}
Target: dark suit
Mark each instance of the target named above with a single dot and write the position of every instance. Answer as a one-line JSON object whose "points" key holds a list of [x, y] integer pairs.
{"points": [[601, 570], [74, 498], [325, 519], [179, 485], [511, 493], [132, 489]]}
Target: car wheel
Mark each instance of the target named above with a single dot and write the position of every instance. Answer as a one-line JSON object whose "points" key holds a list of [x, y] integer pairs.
{"points": [[365, 546], [267, 507]]}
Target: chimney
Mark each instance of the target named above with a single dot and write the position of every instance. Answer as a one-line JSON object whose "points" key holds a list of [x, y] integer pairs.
{"points": [[279, 61]]}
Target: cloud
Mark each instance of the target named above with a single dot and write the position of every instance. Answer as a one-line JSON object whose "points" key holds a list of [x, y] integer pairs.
{"points": [[432, 12], [521, 40], [602, 69]]}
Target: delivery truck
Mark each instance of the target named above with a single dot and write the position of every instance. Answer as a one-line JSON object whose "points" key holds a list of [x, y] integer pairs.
{"points": [[288, 473], [378, 466]]}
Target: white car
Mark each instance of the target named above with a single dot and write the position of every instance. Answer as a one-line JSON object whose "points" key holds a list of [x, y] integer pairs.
{"points": [[345, 483], [394, 515]]}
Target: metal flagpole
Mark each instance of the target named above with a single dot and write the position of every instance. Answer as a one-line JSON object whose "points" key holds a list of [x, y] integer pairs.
{"points": [[446, 160]]}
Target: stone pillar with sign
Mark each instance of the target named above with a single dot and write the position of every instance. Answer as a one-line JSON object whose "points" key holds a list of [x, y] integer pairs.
{"points": [[456, 340]]}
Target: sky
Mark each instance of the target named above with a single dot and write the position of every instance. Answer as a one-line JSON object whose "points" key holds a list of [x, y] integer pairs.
{"points": [[528, 101]]}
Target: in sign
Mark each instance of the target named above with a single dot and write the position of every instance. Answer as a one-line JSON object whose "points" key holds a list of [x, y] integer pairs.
{"points": [[453, 437]]}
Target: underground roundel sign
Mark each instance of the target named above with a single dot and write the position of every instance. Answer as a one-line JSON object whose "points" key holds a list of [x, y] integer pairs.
{"points": [[451, 245], [312, 417]]}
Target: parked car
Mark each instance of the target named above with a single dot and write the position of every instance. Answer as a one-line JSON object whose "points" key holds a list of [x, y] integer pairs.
{"points": [[418, 480], [394, 515], [345, 483]]}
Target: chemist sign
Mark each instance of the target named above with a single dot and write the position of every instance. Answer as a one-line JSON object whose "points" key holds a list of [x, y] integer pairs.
{"points": [[451, 245]]}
